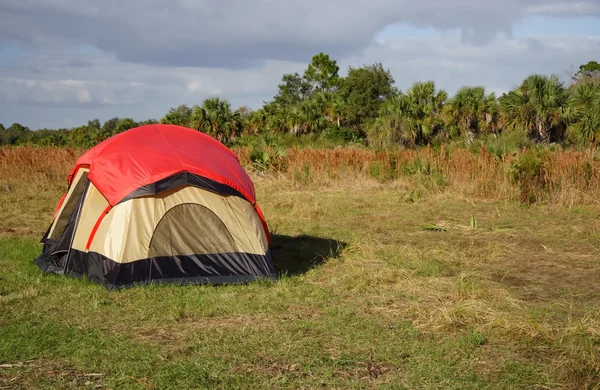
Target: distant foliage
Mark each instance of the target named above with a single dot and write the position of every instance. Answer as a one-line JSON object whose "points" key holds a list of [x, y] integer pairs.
{"points": [[534, 174], [586, 129], [542, 105], [588, 72], [216, 118], [529, 172], [320, 107], [471, 113]]}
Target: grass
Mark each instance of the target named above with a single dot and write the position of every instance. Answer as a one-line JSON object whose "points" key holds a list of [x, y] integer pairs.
{"points": [[385, 284]]}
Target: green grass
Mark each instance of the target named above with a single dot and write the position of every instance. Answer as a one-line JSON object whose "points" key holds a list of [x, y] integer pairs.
{"points": [[504, 297]]}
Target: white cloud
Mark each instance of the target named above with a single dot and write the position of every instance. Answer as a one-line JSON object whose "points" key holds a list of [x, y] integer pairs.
{"points": [[137, 58], [499, 66], [565, 8], [242, 33]]}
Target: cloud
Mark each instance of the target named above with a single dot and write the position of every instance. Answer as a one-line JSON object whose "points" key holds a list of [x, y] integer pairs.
{"points": [[79, 63], [565, 8], [67, 61], [499, 66], [67, 92], [535, 45], [238, 34], [141, 91]]}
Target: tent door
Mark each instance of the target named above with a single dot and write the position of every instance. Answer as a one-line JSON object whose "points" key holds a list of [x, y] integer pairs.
{"points": [[190, 229], [57, 249]]}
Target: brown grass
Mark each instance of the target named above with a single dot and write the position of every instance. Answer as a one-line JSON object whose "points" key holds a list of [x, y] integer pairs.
{"points": [[567, 177], [506, 297], [43, 166]]}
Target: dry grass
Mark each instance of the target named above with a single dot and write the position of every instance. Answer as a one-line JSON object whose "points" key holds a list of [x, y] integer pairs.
{"points": [[37, 166], [566, 177], [406, 270]]}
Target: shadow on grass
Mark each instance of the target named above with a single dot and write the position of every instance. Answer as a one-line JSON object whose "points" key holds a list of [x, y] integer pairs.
{"points": [[295, 255]]}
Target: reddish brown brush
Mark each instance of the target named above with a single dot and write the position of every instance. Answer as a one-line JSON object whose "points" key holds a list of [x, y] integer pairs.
{"points": [[36, 167], [563, 176]]}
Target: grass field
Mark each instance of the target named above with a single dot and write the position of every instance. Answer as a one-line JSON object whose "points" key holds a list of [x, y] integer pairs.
{"points": [[385, 284]]}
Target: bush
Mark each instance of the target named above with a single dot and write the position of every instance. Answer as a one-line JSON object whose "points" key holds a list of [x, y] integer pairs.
{"points": [[507, 143], [529, 172], [342, 134], [266, 158]]}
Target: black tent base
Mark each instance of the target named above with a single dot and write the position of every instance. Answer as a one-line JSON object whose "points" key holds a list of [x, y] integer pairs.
{"points": [[213, 269]]}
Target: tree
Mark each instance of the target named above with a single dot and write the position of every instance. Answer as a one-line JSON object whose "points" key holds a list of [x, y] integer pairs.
{"points": [[409, 119], [180, 115], [591, 70], [322, 73], [330, 106], [94, 124], [305, 103], [422, 106], [363, 90], [276, 116], [108, 128], [335, 110], [586, 128], [292, 90], [124, 125], [256, 121], [390, 127], [83, 136], [244, 111], [471, 112], [46, 137], [18, 128], [306, 118], [541, 105], [13, 134], [216, 118]]}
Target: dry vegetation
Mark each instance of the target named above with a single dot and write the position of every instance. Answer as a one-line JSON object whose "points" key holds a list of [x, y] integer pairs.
{"points": [[412, 269], [565, 177]]}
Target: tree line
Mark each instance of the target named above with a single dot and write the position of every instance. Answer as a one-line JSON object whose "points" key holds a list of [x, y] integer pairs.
{"points": [[366, 107]]}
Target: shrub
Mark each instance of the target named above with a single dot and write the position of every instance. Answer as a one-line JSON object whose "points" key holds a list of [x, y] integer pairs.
{"points": [[342, 134], [529, 172]]}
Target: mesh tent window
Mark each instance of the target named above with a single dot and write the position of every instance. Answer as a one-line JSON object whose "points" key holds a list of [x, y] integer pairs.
{"points": [[190, 229]]}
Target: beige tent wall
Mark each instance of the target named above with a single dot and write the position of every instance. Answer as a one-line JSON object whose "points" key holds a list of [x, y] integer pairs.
{"points": [[94, 205], [126, 231], [69, 204]]}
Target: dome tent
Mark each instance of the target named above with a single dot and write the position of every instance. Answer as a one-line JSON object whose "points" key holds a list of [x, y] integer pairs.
{"points": [[158, 203]]}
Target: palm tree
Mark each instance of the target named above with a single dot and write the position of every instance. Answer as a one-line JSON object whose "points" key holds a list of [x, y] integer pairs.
{"points": [[470, 112], [303, 118], [216, 118], [334, 110], [587, 110], [312, 117], [541, 105], [276, 117], [422, 107], [257, 121], [410, 119], [390, 127]]}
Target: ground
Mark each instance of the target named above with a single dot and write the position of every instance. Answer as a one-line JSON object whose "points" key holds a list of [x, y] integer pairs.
{"points": [[378, 290]]}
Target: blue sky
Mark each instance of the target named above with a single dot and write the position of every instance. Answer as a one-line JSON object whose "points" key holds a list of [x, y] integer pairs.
{"points": [[64, 63]]}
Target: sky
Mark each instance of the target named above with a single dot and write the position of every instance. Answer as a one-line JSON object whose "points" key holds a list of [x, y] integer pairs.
{"points": [[64, 62]]}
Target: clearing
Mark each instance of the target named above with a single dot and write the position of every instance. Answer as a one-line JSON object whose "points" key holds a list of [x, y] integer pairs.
{"points": [[382, 291]]}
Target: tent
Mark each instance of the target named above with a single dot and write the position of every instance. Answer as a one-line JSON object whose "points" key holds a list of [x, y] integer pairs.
{"points": [[158, 204]]}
